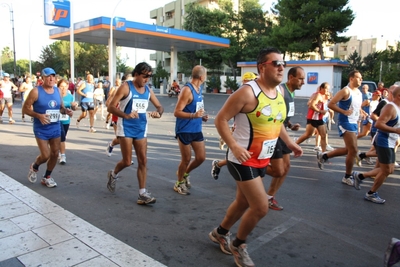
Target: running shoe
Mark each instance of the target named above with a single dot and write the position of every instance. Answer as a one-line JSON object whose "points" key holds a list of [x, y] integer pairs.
{"points": [[23, 119], [222, 240], [358, 160], [186, 177], [11, 121], [396, 165], [242, 258], [48, 181], [112, 181], [181, 188], [92, 130], [357, 181], [369, 161], [215, 169], [320, 160], [77, 124], [374, 198], [273, 204], [329, 148], [109, 149], [391, 255], [348, 181], [63, 159], [317, 148], [145, 198], [32, 174]]}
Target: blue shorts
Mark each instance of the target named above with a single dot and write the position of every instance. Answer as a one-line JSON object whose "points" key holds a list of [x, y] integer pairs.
{"points": [[87, 106], [47, 135], [347, 127], [244, 173], [188, 138]]}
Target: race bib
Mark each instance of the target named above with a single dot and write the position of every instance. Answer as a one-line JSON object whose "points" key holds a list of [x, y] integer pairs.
{"points": [[54, 115], [140, 105], [64, 117], [89, 95], [291, 109], [199, 105], [268, 149]]}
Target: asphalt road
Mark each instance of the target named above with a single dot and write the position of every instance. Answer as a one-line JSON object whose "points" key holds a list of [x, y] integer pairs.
{"points": [[324, 223]]}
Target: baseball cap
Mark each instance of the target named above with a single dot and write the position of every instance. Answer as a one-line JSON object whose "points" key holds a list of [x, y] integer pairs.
{"points": [[48, 71], [249, 76], [6, 74]]}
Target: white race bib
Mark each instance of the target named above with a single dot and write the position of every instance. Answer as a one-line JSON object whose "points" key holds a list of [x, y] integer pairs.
{"points": [[54, 115], [268, 149], [199, 105], [291, 109], [89, 95], [64, 117], [140, 105]]}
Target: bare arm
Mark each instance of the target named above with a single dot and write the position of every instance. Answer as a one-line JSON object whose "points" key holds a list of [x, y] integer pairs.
{"points": [[242, 100], [121, 93], [154, 100], [388, 113], [342, 94], [81, 87]]}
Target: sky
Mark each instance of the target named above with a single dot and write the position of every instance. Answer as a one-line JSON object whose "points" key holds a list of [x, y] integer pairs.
{"points": [[372, 20]]}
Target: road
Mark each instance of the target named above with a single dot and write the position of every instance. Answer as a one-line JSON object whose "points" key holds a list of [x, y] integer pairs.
{"points": [[324, 223]]}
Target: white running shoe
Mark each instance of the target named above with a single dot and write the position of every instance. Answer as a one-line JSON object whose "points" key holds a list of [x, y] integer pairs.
{"points": [[317, 148], [348, 181], [32, 174], [329, 148], [92, 130], [63, 159], [49, 182]]}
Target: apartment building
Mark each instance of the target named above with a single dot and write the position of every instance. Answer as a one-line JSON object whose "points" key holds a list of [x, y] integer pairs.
{"points": [[172, 15]]}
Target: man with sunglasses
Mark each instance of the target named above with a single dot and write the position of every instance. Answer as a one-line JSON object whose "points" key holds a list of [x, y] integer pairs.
{"points": [[280, 160], [347, 103], [132, 98], [190, 114], [259, 111]]}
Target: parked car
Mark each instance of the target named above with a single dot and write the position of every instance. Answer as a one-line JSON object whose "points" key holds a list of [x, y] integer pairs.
{"points": [[372, 85]]}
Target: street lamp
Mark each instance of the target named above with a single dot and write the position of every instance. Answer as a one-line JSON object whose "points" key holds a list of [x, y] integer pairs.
{"points": [[111, 68], [12, 25]]}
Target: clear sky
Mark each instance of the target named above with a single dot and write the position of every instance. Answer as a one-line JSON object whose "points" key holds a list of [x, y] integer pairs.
{"points": [[373, 19]]}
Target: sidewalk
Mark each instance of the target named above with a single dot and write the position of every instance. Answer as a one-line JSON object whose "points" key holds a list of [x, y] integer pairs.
{"points": [[36, 232]]}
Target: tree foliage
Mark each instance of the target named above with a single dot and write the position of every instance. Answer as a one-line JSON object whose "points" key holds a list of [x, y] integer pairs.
{"points": [[304, 26], [245, 28]]}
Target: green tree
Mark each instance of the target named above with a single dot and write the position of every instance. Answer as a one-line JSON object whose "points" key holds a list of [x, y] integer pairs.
{"points": [[305, 26], [160, 73]]}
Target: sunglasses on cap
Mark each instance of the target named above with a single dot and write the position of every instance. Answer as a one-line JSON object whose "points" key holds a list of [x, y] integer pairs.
{"points": [[147, 75], [275, 63]]}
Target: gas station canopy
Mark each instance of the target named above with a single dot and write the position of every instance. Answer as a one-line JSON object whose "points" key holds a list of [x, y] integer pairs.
{"points": [[138, 35]]}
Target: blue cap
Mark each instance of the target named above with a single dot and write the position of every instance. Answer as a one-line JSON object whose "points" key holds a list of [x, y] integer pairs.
{"points": [[6, 74], [48, 71]]}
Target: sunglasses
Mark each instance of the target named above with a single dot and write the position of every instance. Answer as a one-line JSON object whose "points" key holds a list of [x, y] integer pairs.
{"points": [[147, 75], [275, 63]]}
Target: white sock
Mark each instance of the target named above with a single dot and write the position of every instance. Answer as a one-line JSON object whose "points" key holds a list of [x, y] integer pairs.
{"points": [[142, 191], [270, 197]]}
